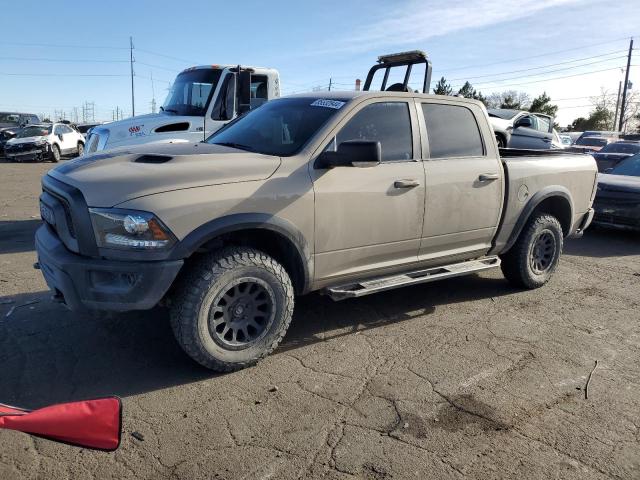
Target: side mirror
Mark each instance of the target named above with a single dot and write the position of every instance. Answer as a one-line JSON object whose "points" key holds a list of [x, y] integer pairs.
{"points": [[230, 100], [354, 153], [524, 122], [244, 91], [60, 136]]}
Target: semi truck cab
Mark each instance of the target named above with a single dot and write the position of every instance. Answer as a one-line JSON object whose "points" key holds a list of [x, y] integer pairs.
{"points": [[200, 101]]}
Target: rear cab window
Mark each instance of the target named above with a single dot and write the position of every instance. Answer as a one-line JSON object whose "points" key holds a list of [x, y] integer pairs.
{"points": [[452, 131]]}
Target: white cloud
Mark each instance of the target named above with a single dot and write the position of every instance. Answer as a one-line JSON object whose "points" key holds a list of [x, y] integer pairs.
{"points": [[416, 21]]}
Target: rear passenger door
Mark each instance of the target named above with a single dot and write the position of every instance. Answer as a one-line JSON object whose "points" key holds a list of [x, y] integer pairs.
{"points": [[370, 219], [464, 182]]}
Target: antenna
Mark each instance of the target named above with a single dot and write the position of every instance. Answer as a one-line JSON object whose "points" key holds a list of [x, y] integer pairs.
{"points": [[153, 96]]}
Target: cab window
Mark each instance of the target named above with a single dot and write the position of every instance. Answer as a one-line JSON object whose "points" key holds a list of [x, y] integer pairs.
{"points": [[452, 131], [388, 123]]}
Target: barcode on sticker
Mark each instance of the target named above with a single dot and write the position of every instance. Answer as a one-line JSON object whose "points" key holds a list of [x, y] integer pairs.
{"points": [[322, 102]]}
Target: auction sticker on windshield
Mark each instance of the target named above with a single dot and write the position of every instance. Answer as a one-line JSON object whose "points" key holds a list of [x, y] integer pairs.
{"points": [[321, 102]]}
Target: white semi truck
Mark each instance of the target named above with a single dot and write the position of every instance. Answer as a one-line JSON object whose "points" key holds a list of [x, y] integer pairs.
{"points": [[201, 100]]}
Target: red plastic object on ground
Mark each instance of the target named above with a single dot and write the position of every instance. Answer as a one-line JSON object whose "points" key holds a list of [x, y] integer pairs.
{"points": [[95, 424]]}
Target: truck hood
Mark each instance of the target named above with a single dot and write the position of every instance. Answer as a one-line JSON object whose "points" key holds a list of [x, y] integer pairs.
{"points": [[144, 125], [107, 179]]}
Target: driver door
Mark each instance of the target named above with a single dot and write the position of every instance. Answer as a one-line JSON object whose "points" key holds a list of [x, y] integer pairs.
{"points": [[370, 219]]}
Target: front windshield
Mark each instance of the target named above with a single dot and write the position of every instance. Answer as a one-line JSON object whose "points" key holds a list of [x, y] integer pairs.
{"points": [[630, 166], [279, 127], [621, 148], [591, 142], [191, 92], [505, 114], [9, 118], [34, 132]]}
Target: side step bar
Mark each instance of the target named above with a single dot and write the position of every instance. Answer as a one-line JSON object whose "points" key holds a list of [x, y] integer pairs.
{"points": [[359, 289]]}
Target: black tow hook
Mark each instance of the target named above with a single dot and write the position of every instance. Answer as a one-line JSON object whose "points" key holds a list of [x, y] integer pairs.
{"points": [[36, 266]]}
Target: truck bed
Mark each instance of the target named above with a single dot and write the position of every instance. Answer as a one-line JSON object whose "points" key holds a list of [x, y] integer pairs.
{"points": [[530, 173]]}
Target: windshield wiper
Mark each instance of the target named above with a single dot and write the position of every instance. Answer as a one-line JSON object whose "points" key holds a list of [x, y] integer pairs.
{"points": [[168, 110], [239, 146]]}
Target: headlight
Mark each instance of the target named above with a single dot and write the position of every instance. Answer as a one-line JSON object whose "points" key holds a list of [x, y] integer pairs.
{"points": [[129, 229], [40, 143]]}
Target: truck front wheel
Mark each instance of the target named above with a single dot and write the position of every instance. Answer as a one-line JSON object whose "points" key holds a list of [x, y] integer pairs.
{"points": [[534, 257], [232, 309]]}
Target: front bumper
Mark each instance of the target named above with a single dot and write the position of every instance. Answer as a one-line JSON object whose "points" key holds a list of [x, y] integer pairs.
{"points": [[86, 283], [28, 153]]}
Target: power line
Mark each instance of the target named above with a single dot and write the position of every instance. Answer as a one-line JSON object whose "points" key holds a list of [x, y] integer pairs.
{"points": [[166, 56], [52, 45], [497, 80], [546, 66], [537, 56], [548, 79], [75, 60], [62, 74], [158, 66]]}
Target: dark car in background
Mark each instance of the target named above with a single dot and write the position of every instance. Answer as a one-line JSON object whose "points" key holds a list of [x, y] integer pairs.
{"points": [[613, 153], [617, 202], [7, 134], [591, 144], [16, 119]]}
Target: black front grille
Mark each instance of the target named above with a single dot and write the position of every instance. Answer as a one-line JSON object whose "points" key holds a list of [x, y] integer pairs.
{"points": [[67, 212]]}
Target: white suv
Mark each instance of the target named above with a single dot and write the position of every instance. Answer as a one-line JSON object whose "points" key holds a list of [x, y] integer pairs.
{"points": [[45, 142]]}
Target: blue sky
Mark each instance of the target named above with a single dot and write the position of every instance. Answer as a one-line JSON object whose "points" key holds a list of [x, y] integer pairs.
{"points": [[487, 41]]}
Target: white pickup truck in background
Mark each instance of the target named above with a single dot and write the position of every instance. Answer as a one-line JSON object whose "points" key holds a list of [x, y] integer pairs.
{"points": [[200, 101]]}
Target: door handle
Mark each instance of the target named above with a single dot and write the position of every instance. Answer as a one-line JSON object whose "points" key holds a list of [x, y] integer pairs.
{"points": [[485, 177], [406, 183]]}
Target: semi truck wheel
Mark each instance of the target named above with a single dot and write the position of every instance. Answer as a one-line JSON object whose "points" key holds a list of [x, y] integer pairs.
{"points": [[55, 153], [232, 309], [534, 257]]}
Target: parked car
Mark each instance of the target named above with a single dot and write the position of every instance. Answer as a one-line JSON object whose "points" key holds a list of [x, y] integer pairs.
{"points": [[600, 133], [522, 129], [7, 134], [617, 201], [14, 119], [304, 194], [591, 144], [610, 155], [44, 142], [201, 100]]}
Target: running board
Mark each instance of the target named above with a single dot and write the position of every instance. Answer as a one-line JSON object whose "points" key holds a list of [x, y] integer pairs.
{"points": [[359, 289]]}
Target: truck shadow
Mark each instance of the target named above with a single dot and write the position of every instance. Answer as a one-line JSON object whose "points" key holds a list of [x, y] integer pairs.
{"points": [[17, 236], [49, 354], [601, 242]]}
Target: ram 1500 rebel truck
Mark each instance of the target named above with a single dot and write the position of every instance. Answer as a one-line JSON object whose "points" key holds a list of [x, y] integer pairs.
{"points": [[200, 101], [347, 193]]}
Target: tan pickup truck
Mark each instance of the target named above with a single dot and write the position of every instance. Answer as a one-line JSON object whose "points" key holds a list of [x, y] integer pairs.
{"points": [[347, 193]]}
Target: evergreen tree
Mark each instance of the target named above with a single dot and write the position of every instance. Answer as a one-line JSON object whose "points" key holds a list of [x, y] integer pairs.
{"points": [[443, 87]]}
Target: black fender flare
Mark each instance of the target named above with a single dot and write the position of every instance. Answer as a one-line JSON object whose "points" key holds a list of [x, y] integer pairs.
{"points": [[532, 204], [244, 221]]}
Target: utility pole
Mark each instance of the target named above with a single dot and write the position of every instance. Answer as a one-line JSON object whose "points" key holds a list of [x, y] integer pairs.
{"points": [[153, 96], [615, 116], [133, 100], [330, 81], [626, 86]]}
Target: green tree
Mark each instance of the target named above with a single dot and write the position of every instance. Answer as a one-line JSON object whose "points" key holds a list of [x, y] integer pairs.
{"points": [[542, 104], [443, 87], [467, 91], [510, 103], [599, 119]]}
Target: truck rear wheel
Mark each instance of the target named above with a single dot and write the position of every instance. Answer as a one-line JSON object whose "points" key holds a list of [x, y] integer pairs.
{"points": [[534, 257], [232, 309]]}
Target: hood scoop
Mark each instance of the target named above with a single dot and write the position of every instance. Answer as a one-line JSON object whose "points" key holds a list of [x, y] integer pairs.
{"points": [[153, 159], [173, 127]]}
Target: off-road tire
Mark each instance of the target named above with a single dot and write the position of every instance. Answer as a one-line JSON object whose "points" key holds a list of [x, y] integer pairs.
{"points": [[55, 154], [192, 302], [517, 262], [80, 149]]}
